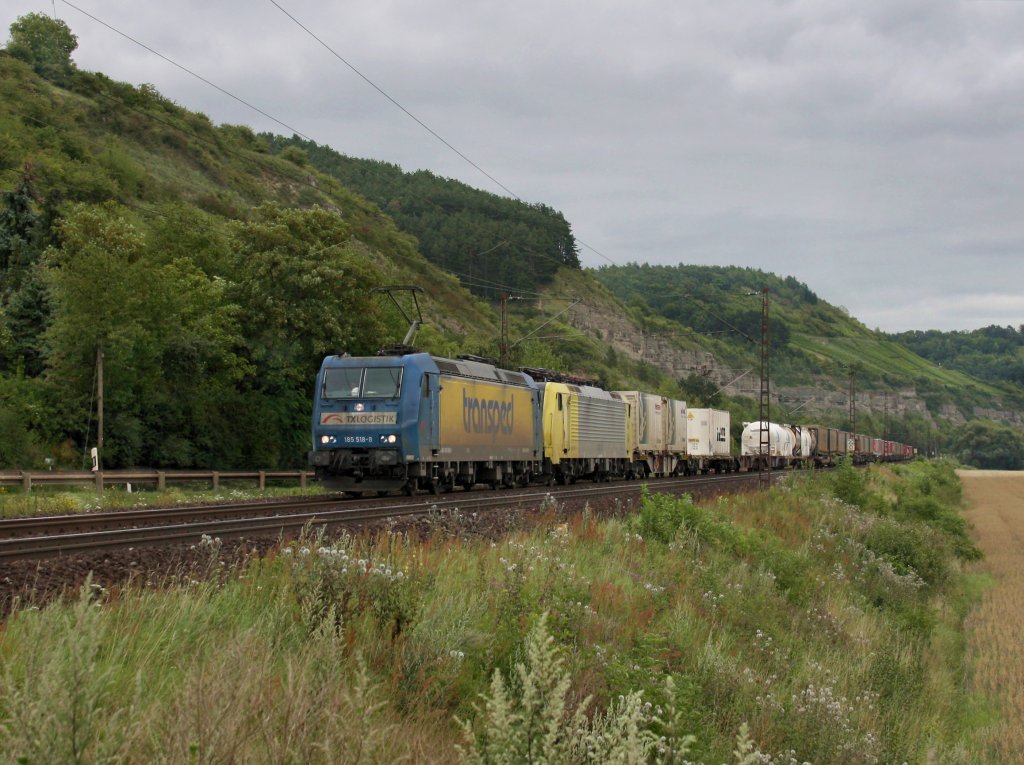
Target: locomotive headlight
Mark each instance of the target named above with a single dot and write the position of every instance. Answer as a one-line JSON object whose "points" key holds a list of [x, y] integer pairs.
{"points": [[325, 439], [389, 439]]}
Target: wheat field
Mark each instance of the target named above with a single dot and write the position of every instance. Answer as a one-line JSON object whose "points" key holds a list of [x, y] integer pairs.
{"points": [[995, 628]]}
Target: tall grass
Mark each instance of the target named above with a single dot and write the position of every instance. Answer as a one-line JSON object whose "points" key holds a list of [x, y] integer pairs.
{"points": [[776, 628]]}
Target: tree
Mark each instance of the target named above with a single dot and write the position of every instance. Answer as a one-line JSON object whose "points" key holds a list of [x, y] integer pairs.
{"points": [[303, 285], [44, 43], [167, 334], [17, 227], [988, 444]]}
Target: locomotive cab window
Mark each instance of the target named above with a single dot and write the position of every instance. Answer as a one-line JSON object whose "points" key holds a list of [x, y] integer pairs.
{"points": [[382, 382], [342, 383], [374, 382]]}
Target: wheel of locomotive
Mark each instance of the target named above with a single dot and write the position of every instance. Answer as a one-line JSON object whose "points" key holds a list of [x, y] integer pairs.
{"points": [[354, 494], [434, 487], [467, 485], [382, 492], [410, 487]]}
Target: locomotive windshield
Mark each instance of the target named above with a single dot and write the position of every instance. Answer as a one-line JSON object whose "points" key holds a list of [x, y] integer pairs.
{"points": [[353, 382]]}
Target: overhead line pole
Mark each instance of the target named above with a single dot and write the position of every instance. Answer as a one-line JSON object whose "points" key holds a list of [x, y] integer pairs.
{"points": [[853, 408], [764, 477], [503, 346]]}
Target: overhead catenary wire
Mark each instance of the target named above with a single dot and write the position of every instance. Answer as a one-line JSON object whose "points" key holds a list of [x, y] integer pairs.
{"points": [[416, 119], [390, 98], [298, 132]]}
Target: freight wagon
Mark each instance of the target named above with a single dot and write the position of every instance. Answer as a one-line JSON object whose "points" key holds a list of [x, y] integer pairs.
{"points": [[708, 441], [660, 434]]}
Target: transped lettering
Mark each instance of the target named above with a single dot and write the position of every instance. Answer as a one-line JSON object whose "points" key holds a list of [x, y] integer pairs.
{"points": [[487, 415]]}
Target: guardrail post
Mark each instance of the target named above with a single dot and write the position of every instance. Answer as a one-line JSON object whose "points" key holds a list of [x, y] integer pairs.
{"points": [[263, 480], [302, 479], [161, 480], [216, 480], [99, 481], [26, 481]]}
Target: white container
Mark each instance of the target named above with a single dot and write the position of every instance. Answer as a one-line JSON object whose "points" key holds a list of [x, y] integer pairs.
{"points": [[675, 432], [650, 419], [707, 433]]}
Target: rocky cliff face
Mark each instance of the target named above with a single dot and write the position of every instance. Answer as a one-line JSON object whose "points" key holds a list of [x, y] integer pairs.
{"points": [[612, 327]]}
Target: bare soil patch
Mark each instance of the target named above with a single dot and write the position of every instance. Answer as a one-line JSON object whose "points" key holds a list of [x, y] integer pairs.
{"points": [[995, 628]]}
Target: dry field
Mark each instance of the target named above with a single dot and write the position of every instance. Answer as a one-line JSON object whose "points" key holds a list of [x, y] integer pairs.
{"points": [[995, 628]]}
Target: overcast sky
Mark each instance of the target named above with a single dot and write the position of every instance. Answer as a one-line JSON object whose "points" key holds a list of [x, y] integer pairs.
{"points": [[873, 149]]}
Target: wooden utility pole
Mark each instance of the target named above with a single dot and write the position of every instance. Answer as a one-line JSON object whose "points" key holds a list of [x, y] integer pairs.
{"points": [[99, 406]]}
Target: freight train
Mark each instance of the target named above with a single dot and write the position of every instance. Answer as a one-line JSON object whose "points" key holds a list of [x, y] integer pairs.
{"points": [[813, 446], [413, 421]]}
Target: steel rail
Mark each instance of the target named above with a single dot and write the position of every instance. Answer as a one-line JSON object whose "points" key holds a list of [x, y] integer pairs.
{"points": [[43, 546], [28, 524]]}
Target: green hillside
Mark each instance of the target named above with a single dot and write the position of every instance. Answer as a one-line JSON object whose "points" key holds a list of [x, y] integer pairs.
{"points": [[991, 353], [493, 243], [809, 337]]}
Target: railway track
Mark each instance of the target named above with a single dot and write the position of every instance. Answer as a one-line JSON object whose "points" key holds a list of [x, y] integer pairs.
{"points": [[48, 536]]}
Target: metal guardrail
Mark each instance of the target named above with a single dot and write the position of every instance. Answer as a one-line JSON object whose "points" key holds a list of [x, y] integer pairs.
{"points": [[26, 479]]}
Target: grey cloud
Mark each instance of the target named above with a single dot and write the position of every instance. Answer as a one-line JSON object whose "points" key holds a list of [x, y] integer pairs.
{"points": [[871, 148]]}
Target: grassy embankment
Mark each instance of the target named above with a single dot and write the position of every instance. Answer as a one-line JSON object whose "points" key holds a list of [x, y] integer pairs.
{"points": [[49, 501], [821, 618]]}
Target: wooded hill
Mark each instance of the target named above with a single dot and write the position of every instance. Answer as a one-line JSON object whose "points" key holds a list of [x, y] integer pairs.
{"points": [[992, 353], [809, 337], [214, 268], [493, 243]]}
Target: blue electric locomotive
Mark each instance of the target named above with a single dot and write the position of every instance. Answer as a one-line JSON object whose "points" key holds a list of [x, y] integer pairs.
{"points": [[415, 421]]}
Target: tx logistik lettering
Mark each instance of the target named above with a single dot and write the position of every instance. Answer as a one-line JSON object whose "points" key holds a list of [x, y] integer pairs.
{"points": [[487, 415]]}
